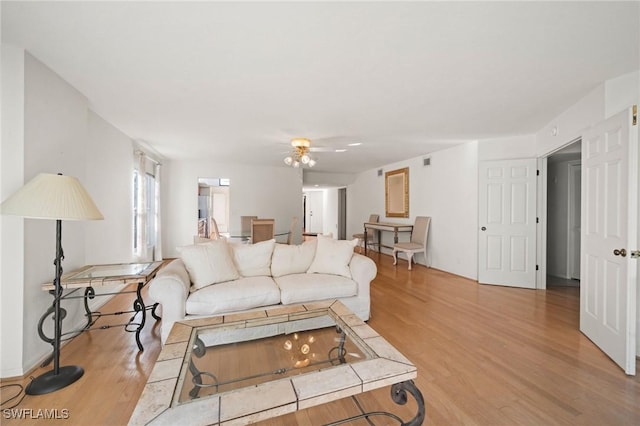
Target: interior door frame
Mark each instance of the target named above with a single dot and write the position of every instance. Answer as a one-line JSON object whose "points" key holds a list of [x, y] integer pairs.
{"points": [[571, 248], [541, 279]]}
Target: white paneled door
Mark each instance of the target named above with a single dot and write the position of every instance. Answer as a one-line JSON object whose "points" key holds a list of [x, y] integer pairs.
{"points": [[609, 223], [507, 220]]}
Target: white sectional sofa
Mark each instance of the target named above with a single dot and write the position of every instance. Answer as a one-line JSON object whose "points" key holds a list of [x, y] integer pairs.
{"points": [[218, 277]]}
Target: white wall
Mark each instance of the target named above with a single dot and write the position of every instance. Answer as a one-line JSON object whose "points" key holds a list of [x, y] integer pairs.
{"points": [[109, 166], [446, 190], [11, 227], [267, 192], [507, 148], [60, 134]]}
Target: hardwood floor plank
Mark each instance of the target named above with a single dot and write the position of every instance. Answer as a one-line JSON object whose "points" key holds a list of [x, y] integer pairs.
{"points": [[486, 355]]}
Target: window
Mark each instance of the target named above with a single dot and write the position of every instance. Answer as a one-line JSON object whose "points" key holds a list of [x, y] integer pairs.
{"points": [[144, 212]]}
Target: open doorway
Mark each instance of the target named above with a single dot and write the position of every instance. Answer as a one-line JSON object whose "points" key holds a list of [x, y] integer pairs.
{"points": [[563, 216]]}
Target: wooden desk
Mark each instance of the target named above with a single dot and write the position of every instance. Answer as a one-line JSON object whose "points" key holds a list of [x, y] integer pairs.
{"points": [[387, 227], [91, 276]]}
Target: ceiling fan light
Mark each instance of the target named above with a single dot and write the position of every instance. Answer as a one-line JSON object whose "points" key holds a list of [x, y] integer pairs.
{"points": [[312, 162], [288, 161], [301, 142], [296, 164], [305, 159]]}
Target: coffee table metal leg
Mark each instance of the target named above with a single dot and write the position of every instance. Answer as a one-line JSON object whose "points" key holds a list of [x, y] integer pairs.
{"points": [[399, 396], [138, 306], [153, 312]]}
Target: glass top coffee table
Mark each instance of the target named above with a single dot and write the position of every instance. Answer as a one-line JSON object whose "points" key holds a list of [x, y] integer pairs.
{"points": [[247, 367]]}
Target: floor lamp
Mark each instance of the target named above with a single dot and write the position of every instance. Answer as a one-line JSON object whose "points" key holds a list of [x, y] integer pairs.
{"points": [[55, 197]]}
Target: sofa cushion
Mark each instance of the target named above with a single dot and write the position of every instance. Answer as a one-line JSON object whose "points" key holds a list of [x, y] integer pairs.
{"points": [[300, 288], [253, 260], [208, 263], [333, 256], [292, 259], [241, 294]]}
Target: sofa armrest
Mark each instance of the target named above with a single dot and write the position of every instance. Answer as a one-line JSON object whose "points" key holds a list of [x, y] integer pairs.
{"points": [[170, 288], [363, 271]]}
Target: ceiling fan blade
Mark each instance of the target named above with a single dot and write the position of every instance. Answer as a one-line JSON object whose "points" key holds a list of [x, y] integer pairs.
{"points": [[321, 149]]}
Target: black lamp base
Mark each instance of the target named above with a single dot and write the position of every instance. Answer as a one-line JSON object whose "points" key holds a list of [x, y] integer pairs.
{"points": [[50, 382]]}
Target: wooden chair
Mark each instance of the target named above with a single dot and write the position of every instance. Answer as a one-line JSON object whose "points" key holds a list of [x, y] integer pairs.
{"points": [[418, 243], [214, 233], [262, 230], [292, 228], [245, 224], [371, 239]]}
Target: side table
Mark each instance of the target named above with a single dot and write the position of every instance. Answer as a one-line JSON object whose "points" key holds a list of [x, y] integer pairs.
{"points": [[91, 276]]}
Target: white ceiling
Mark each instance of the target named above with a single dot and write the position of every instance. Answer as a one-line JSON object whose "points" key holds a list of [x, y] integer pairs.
{"points": [[236, 81]]}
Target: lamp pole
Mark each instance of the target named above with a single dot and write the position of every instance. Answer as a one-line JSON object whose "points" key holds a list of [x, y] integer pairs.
{"points": [[59, 377]]}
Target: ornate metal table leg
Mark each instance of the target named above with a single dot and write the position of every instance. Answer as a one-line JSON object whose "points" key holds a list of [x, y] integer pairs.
{"points": [[365, 241], [138, 306], [399, 396], [341, 351], [89, 293], [199, 350], [153, 312]]}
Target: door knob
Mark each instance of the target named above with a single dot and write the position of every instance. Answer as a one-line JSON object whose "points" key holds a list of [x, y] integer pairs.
{"points": [[621, 252], [484, 228]]}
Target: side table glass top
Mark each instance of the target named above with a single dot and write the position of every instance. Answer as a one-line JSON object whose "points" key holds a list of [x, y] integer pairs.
{"points": [[104, 271], [107, 274]]}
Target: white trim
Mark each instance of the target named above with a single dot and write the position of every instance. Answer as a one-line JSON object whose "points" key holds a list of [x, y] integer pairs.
{"points": [[541, 230], [570, 206]]}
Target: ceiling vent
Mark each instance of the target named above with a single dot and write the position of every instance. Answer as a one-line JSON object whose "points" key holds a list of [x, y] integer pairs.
{"points": [[426, 161]]}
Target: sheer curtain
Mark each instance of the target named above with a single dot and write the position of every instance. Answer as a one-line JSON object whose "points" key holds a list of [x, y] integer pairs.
{"points": [[157, 254], [147, 222]]}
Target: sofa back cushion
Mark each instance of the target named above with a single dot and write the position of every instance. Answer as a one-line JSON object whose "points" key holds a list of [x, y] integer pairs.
{"points": [[208, 263], [333, 256], [253, 260], [292, 259]]}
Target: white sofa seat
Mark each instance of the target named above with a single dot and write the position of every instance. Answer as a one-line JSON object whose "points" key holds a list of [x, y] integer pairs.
{"points": [[300, 288], [238, 295]]}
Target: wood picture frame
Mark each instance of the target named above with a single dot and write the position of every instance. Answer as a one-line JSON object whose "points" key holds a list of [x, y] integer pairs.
{"points": [[396, 193]]}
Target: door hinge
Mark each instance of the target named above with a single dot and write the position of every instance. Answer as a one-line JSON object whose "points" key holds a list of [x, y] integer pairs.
{"points": [[537, 267], [537, 220], [634, 120], [537, 172], [635, 254]]}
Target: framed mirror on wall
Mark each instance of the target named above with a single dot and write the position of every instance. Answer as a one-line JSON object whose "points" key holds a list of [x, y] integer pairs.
{"points": [[213, 204], [396, 193]]}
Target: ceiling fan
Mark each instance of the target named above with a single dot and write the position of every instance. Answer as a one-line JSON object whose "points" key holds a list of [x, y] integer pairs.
{"points": [[301, 147], [300, 153]]}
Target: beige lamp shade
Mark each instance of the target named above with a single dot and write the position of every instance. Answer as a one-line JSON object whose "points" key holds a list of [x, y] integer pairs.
{"points": [[49, 196]]}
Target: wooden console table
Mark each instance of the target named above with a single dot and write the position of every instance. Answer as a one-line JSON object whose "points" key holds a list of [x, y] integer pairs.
{"points": [[91, 276], [385, 226]]}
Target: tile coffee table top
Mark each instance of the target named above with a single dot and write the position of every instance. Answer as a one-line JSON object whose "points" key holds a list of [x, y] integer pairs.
{"points": [[161, 401]]}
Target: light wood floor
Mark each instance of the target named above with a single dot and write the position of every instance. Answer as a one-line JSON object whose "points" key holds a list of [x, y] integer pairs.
{"points": [[485, 356]]}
